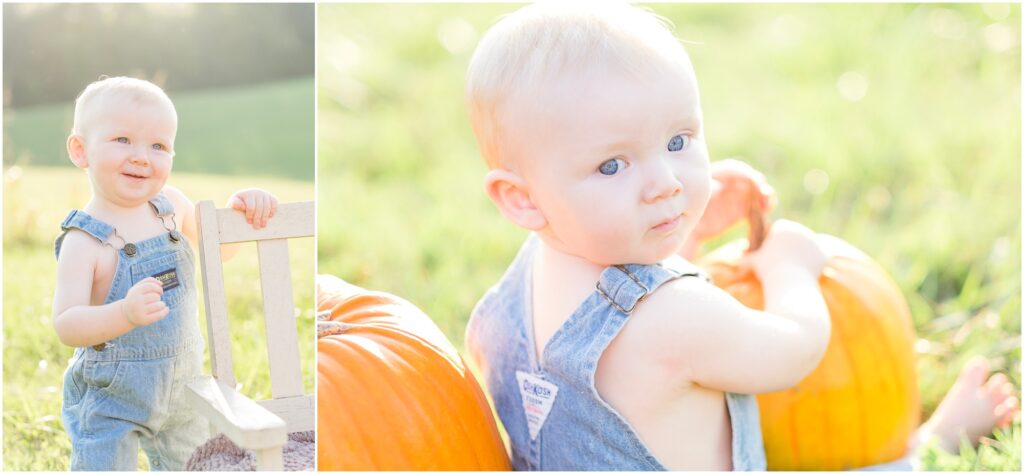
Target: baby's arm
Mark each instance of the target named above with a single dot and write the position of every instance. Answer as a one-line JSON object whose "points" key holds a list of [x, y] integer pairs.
{"points": [[76, 321], [711, 339]]}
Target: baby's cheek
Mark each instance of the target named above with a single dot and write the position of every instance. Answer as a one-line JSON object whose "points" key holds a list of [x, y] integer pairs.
{"points": [[618, 232], [697, 186]]}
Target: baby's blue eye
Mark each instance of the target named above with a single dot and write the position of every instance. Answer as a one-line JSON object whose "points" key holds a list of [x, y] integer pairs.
{"points": [[610, 167], [677, 142], [158, 146], [121, 140]]}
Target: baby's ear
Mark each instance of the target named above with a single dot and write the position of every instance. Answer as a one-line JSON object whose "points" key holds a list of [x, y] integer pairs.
{"points": [[76, 151], [509, 192]]}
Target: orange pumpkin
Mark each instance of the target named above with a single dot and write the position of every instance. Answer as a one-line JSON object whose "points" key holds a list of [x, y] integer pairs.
{"points": [[860, 405], [392, 392]]}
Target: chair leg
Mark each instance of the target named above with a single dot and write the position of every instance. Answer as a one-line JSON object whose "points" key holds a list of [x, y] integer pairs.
{"points": [[270, 459]]}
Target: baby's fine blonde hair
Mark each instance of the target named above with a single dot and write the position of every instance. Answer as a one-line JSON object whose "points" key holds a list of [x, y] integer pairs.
{"points": [[538, 43], [136, 90]]}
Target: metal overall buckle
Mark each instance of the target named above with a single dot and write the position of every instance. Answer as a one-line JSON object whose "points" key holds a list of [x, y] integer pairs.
{"points": [[646, 291], [172, 232]]}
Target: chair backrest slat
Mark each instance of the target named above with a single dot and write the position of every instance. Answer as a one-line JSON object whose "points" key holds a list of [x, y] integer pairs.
{"points": [[295, 219], [279, 318], [213, 290]]}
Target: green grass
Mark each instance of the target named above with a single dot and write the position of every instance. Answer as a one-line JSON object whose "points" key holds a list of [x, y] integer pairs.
{"points": [[921, 169], [34, 359], [264, 129]]}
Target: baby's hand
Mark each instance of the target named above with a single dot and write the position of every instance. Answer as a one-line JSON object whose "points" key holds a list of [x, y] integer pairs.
{"points": [[259, 206], [142, 305], [788, 245], [736, 186]]}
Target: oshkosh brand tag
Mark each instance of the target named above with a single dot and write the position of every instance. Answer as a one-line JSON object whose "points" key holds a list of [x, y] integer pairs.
{"points": [[538, 397], [168, 278]]}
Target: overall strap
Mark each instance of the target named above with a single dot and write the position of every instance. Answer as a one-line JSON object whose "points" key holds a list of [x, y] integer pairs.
{"points": [[163, 208], [161, 205], [625, 286], [77, 219]]}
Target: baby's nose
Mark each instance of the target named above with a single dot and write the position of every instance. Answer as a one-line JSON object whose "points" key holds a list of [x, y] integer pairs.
{"points": [[139, 155], [663, 183]]}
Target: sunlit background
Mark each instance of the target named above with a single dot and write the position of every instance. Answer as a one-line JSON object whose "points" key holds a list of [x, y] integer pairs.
{"points": [[893, 126], [241, 79]]}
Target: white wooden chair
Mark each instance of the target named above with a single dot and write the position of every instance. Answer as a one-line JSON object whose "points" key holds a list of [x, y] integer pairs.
{"points": [[263, 426]]}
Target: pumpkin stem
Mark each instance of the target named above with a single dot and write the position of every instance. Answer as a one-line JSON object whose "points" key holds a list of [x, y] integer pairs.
{"points": [[759, 224], [331, 328]]}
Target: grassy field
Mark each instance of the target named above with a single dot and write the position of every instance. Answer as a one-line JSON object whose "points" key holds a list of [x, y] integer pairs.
{"points": [[894, 127], [34, 359], [222, 131]]}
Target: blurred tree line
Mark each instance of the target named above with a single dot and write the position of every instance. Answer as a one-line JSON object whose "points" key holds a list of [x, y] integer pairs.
{"points": [[52, 50]]}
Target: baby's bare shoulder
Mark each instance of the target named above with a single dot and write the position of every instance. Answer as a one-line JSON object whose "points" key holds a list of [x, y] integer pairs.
{"points": [[677, 314], [178, 199], [77, 244], [78, 259], [679, 301]]}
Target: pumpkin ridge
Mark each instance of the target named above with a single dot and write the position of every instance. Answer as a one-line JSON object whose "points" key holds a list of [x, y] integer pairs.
{"points": [[889, 385], [907, 381], [794, 437], [444, 350], [859, 397], [412, 391], [330, 347], [402, 389], [890, 381]]}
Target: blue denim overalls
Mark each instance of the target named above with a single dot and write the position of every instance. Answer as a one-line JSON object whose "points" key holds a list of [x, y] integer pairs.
{"points": [[552, 412], [131, 388]]}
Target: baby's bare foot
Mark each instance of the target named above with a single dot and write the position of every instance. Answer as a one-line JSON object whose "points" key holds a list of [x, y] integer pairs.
{"points": [[973, 407]]}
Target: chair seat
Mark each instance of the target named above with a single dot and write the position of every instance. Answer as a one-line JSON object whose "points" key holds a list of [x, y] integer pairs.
{"points": [[221, 454]]}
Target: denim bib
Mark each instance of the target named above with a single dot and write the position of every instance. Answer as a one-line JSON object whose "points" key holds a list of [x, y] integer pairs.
{"points": [[131, 388], [552, 412]]}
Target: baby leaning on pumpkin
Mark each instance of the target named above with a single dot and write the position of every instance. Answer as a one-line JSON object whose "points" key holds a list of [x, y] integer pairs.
{"points": [[376, 349]]}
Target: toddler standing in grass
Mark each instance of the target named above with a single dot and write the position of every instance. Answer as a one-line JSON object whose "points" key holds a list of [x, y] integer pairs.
{"points": [[601, 347], [126, 296]]}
